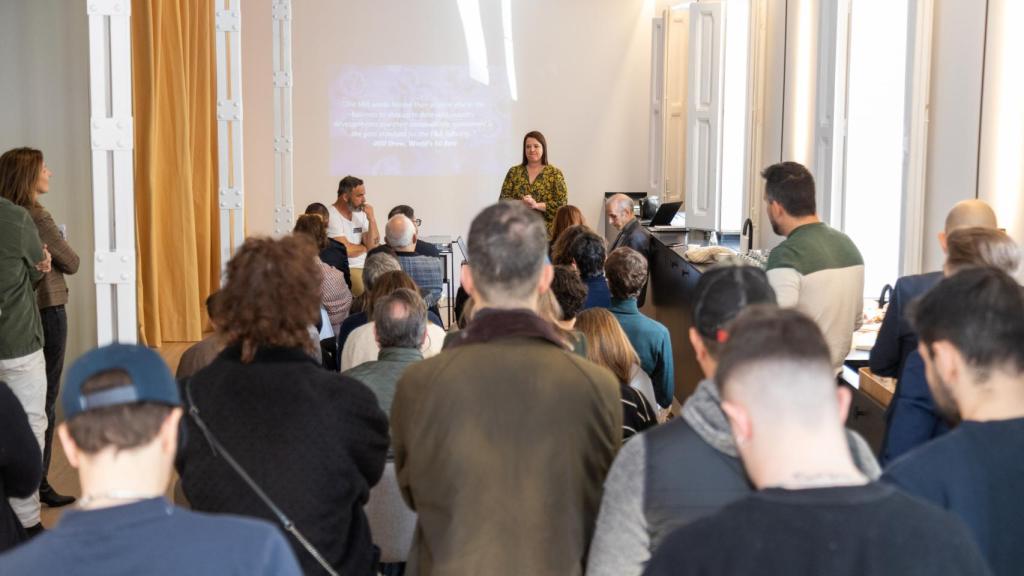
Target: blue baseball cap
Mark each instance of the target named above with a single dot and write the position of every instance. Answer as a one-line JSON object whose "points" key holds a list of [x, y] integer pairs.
{"points": [[151, 379]]}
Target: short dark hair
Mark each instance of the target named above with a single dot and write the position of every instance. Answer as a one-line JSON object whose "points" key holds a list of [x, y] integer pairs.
{"points": [[721, 294], [348, 184], [588, 253], [569, 291], [766, 333], [507, 250], [980, 311], [400, 319], [318, 209], [626, 270], [123, 426], [543, 145], [560, 254], [382, 249], [791, 185], [404, 210]]}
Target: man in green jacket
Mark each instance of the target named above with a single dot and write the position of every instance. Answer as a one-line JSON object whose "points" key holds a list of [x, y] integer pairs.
{"points": [[503, 440], [23, 262]]}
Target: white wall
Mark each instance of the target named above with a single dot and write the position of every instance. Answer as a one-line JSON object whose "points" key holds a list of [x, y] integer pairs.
{"points": [[583, 75], [44, 104]]}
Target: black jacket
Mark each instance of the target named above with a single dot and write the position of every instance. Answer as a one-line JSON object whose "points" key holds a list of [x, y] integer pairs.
{"points": [[313, 440], [20, 465], [335, 254], [635, 236]]}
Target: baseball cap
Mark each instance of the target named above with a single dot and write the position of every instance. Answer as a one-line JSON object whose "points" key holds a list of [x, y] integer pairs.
{"points": [[722, 292], [151, 379]]}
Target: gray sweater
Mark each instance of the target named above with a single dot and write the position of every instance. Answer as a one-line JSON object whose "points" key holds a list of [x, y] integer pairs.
{"points": [[672, 475]]}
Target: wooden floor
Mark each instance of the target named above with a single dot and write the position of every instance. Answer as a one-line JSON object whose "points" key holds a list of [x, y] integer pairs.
{"points": [[63, 477]]}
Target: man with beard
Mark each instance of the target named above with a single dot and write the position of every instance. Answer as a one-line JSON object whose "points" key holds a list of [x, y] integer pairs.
{"points": [[970, 329], [816, 269], [351, 222]]}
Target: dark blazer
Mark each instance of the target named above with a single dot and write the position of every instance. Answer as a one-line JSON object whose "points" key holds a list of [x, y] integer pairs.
{"points": [[634, 236], [427, 249], [896, 338], [313, 440], [912, 418], [335, 254], [20, 465]]}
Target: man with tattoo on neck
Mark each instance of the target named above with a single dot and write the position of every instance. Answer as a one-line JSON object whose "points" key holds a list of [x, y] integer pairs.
{"points": [[814, 511], [123, 407]]}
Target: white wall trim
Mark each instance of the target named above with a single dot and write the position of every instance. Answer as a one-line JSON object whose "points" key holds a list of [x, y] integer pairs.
{"points": [[284, 209], [230, 182], [113, 171], [915, 151]]}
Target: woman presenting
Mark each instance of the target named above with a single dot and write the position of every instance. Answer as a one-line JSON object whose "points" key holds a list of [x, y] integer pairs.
{"points": [[538, 184]]}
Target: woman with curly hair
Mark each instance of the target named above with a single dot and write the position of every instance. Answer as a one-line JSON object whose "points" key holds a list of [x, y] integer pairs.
{"points": [[315, 441]]}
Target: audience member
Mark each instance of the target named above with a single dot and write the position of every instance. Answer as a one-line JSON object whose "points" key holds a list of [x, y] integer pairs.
{"points": [[588, 257], [19, 465], [24, 260], [335, 295], [689, 467], [814, 512], [426, 271], [608, 346], [334, 253], [361, 345], [913, 418], [202, 353], [400, 326], [422, 247], [501, 442], [971, 327], [816, 269], [313, 440], [569, 292], [619, 209], [351, 221], [560, 253], [626, 270], [565, 217], [123, 411], [378, 261]]}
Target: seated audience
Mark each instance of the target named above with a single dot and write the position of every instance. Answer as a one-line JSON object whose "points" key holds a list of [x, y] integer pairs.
{"points": [[422, 247], [814, 512], [334, 292], [588, 257], [334, 253], [626, 270], [400, 326], [560, 254], [21, 467], [202, 353], [912, 416], [688, 467], [501, 441], [122, 410], [361, 345], [377, 263], [608, 346], [971, 327], [313, 440], [570, 292], [426, 271], [565, 217]]}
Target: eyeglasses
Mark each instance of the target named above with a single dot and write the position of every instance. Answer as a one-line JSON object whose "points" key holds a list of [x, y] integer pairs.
{"points": [[417, 221]]}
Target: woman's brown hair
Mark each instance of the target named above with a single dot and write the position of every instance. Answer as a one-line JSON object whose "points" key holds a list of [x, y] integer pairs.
{"points": [[384, 285], [968, 247], [607, 344], [543, 146], [312, 226], [19, 172], [560, 255], [566, 216], [272, 295]]}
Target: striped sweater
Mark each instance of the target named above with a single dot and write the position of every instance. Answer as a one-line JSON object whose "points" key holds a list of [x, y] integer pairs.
{"points": [[819, 271]]}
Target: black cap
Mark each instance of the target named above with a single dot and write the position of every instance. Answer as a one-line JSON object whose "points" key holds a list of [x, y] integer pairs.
{"points": [[722, 292]]}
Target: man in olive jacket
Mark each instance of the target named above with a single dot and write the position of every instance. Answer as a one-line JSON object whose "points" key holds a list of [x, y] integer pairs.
{"points": [[502, 441]]}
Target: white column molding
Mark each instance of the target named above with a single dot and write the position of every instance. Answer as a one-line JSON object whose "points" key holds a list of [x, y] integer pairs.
{"points": [[915, 153], [231, 189], [284, 210], [113, 174]]}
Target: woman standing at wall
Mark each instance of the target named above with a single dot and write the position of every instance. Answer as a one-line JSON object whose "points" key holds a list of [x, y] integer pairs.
{"points": [[536, 183], [23, 177]]}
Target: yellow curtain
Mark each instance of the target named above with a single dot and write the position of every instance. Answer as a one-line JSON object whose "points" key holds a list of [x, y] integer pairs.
{"points": [[174, 91]]}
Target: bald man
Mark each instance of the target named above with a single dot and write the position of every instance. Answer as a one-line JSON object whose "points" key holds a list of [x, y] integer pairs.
{"points": [[911, 410], [619, 209]]}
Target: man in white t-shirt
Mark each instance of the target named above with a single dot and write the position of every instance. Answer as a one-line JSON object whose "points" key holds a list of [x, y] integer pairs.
{"points": [[352, 223]]}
